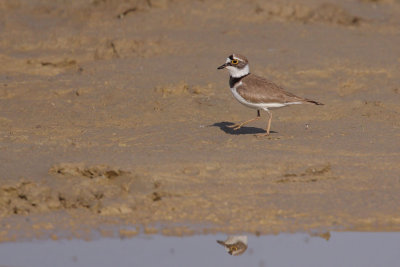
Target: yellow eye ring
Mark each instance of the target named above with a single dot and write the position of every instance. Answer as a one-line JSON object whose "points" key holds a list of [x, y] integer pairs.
{"points": [[234, 61]]}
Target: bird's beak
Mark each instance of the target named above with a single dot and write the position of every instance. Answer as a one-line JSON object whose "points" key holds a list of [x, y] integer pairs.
{"points": [[222, 66]]}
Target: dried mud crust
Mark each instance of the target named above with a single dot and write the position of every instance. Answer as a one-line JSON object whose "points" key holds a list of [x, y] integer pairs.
{"points": [[99, 189], [322, 13], [264, 198], [80, 48], [311, 174]]}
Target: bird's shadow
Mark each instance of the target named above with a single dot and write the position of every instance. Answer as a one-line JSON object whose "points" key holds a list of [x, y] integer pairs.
{"points": [[243, 130]]}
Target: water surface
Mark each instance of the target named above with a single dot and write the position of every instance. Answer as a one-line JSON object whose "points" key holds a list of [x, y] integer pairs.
{"points": [[342, 249]]}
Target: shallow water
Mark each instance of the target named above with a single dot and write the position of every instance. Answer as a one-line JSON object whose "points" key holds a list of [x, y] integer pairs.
{"points": [[342, 249]]}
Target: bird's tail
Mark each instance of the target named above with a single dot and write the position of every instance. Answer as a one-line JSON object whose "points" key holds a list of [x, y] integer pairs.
{"points": [[314, 102]]}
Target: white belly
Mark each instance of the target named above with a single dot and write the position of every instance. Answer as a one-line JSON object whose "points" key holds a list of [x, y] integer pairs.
{"points": [[264, 106]]}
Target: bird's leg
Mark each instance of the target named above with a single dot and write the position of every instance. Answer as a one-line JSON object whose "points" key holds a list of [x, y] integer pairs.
{"points": [[239, 125], [268, 125], [269, 122]]}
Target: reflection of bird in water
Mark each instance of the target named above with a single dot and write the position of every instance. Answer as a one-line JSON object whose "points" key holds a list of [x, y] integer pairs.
{"points": [[235, 245]]}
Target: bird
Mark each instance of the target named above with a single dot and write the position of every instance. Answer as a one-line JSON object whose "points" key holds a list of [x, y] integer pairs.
{"points": [[257, 92], [234, 245]]}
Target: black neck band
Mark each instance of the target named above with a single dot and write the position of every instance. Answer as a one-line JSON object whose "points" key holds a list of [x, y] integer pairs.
{"points": [[234, 80]]}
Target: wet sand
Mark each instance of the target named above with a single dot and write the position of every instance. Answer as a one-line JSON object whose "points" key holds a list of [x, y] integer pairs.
{"points": [[113, 115]]}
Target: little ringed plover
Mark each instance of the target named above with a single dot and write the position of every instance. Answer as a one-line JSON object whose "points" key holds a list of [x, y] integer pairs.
{"points": [[257, 92]]}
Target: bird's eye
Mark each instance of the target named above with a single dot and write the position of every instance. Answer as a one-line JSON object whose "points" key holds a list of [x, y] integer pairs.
{"points": [[234, 61]]}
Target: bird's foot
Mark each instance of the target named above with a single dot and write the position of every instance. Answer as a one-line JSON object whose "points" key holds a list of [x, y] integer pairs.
{"points": [[235, 126], [259, 135]]}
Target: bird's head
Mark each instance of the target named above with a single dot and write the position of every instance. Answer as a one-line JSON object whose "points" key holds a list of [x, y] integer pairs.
{"points": [[237, 65]]}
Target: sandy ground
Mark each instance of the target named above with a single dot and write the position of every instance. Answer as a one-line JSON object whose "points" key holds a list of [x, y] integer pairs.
{"points": [[113, 117]]}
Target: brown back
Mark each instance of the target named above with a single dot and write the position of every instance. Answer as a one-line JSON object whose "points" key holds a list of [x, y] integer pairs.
{"points": [[257, 89]]}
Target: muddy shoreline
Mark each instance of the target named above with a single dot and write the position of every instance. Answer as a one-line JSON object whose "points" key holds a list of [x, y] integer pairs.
{"points": [[113, 116]]}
